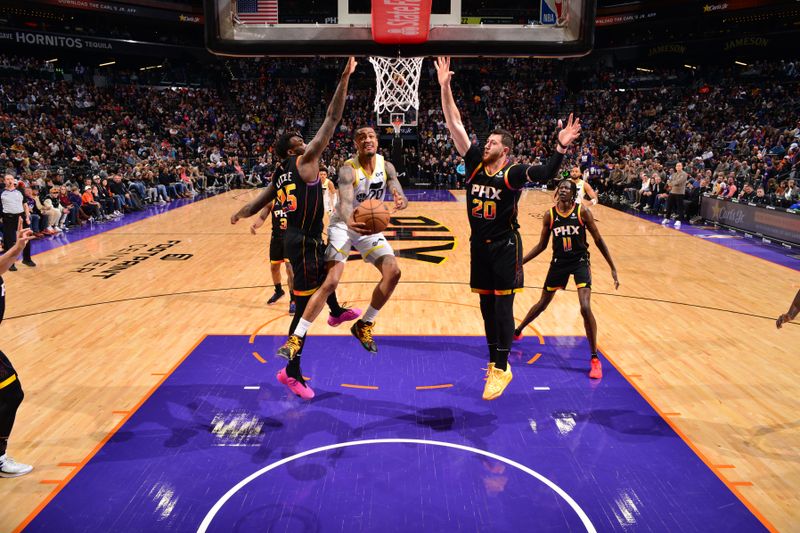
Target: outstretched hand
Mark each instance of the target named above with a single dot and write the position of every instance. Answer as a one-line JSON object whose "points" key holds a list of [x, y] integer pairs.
{"points": [[350, 67], [443, 72], [572, 131], [616, 279], [23, 235], [783, 319], [400, 201]]}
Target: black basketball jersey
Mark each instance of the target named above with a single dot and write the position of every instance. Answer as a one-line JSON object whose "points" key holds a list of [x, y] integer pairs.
{"points": [[279, 221], [491, 201], [569, 235], [302, 202]]}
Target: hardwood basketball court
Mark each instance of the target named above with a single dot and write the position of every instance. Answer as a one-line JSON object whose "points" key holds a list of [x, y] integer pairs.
{"points": [[101, 322]]}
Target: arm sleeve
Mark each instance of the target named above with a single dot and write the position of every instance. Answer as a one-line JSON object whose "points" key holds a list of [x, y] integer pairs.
{"points": [[518, 175]]}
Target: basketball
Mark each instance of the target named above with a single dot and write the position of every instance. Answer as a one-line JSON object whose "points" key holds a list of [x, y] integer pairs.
{"points": [[374, 214]]}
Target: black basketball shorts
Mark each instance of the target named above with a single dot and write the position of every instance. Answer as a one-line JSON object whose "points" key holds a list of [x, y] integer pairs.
{"points": [[306, 254], [559, 273], [496, 267]]}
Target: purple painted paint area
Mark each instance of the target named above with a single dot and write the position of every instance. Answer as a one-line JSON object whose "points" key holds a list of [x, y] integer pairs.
{"points": [[425, 195], [95, 228], [775, 253], [202, 432]]}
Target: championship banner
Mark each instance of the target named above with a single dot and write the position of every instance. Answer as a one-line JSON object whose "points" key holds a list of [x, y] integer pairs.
{"points": [[764, 222]]}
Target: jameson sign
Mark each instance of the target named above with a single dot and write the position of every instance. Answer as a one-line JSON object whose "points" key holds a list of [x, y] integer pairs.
{"points": [[778, 224], [54, 40]]}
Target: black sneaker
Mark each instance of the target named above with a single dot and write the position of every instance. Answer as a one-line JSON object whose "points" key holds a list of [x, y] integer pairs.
{"points": [[275, 297], [363, 332], [13, 268], [29, 263]]}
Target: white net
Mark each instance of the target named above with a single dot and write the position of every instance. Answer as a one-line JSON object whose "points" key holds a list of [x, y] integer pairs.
{"points": [[397, 93]]}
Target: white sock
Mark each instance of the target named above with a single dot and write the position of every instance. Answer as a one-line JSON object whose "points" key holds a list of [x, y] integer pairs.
{"points": [[370, 314], [302, 328]]}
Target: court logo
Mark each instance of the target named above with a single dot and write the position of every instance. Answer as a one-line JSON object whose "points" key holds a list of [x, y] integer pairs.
{"points": [[417, 230], [176, 257], [121, 260]]}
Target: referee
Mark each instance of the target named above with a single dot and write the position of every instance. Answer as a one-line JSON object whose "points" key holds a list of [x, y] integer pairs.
{"points": [[14, 208]]}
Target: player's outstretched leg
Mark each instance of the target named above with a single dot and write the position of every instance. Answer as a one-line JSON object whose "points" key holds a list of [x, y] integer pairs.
{"points": [[390, 277], [275, 269], [537, 309], [292, 376], [500, 376], [590, 324]]}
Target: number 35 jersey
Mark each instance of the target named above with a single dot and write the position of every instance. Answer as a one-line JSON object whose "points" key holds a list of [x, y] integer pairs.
{"points": [[301, 202]]}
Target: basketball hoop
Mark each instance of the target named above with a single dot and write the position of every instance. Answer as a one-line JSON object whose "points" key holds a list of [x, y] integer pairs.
{"points": [[397, 124], [397, 90]]}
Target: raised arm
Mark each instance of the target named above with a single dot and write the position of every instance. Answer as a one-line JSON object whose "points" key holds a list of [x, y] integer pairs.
{"points": [[588, 219], [400, 201], [548, 171], [791, 314], [544, 238], [256, 204], [308, 163], [451, 115]]}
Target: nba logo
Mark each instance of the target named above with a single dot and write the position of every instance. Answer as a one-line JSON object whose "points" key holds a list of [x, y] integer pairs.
{"points": [[550, 12]]}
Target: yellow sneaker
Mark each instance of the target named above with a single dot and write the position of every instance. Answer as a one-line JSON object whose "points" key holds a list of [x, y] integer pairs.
{"points": [[497, 382], [290, 347], [363, 332]]}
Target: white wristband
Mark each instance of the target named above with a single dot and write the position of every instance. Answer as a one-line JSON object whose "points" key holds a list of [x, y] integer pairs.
{"points": [[594, 201]]}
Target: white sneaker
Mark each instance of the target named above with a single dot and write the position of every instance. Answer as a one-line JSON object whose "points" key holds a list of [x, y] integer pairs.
{"points": [[677, 224], [10, 468], [665, 221]]}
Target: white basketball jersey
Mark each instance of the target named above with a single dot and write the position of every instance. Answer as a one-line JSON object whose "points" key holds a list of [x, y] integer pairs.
{"points": [[579, 196], [366, 187]]}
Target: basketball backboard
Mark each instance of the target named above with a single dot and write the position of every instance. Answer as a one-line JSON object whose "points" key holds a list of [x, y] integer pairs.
{"points": [[536, 28]]}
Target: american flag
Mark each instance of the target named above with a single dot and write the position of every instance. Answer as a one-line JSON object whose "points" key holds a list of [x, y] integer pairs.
{"points": [[257, 11]]}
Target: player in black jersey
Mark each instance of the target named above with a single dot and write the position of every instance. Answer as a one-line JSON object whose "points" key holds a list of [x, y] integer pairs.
{"points": [[298, 190], [277, 256], [493, 186], [568, 223], [10, 389]]}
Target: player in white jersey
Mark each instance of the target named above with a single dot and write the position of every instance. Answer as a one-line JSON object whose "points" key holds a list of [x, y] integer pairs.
{"points": [[584, 189], [329, 196], [365, 176]]}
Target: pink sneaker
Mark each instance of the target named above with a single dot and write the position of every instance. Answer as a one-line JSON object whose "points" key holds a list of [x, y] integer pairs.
{"points": [[300, 389], [347, 316], [597, 369]]}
